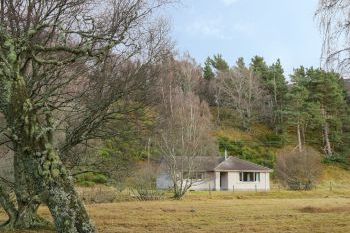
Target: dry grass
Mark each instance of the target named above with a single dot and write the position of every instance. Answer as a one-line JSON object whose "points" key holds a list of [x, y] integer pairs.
{"points": [[318, 211], [274, 212]]}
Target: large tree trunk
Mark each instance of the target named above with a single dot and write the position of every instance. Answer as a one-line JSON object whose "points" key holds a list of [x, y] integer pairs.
{"points": [[22, 217], [23, 213], [33, 140], [27, 199], [9, 207]]}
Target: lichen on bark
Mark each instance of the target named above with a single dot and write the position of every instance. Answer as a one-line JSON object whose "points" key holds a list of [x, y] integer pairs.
{"points": [[39, 162]]}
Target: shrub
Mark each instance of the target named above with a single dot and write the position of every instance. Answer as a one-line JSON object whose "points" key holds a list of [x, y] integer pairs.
{"points": [[143, 184], [338, 159], [273, 140], [299, 170], [89, 179]]}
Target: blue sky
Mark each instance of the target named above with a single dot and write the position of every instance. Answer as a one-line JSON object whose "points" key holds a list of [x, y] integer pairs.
{"points": [[284, 29]]}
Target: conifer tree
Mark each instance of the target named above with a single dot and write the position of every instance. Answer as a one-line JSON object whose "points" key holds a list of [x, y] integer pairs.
{"points": [[208, 72]]}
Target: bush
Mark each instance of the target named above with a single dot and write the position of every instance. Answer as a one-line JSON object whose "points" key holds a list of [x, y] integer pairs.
{"points": [[339, 160], [299, 170], [273, 140], [90, 179], [143, 184]]}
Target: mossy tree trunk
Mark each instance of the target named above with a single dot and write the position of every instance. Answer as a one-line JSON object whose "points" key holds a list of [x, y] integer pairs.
{"points": [[9, 207], [27, 200], [21, 216], [36, 155]]}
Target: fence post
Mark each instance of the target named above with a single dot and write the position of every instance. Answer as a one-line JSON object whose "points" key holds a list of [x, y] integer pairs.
{"points": [[233, 188], [330, 186], [256, 188], [209, 191]]}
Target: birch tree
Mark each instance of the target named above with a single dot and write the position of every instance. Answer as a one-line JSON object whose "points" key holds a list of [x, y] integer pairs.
{"points": [[185, 126], [242, 91]]}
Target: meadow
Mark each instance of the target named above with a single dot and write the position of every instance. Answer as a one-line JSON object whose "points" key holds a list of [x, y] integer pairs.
{"points": [[276, 211], [325, 209]]}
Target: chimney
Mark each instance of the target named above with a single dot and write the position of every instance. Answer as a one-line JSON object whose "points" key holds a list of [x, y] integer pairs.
{"points": [[226, 154]]}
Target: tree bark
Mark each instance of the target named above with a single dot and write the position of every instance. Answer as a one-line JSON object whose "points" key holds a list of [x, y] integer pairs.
{"points": [[27, 199], [9, 207], [23, 213], [300, 144], [41, 163], [327, 147]]}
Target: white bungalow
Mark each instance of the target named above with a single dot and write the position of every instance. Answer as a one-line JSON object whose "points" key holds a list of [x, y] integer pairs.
{"points": [[219, 173]]}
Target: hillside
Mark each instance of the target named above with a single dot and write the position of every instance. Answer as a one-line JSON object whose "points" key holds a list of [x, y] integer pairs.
{"points": [[262, 145]]}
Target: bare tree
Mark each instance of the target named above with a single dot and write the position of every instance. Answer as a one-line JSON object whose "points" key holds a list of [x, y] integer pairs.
{"points": [[185, 127], [334, 17], [299, 169], [241, 90], [50, 51]]}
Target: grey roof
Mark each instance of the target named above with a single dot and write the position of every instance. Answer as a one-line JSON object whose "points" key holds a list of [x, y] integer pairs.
{"points": [[208, 163], [200, 163], [236, 164], [218, 163]]}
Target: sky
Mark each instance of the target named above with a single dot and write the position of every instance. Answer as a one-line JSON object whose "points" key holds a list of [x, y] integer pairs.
{"points": [[284, 29]]}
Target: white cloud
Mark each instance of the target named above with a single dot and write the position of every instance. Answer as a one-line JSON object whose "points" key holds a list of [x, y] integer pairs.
{"points": [[209, 28], [218, 28], [229, 2]]}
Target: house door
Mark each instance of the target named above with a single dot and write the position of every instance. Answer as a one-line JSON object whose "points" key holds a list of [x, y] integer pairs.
{"points": [[223, 181]]}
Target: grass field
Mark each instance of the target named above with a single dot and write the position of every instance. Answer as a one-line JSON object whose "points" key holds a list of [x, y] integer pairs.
{"points": [[318, 211], [277, 211]]}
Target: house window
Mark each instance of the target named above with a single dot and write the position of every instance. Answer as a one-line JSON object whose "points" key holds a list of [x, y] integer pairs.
{"points": [[200, 175], [257, 176], [194, 175], [249, 176]]}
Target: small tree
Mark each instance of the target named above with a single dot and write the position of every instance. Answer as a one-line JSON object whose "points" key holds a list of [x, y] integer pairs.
{"points": [[184, 125], [299, 170], [143, 184]]}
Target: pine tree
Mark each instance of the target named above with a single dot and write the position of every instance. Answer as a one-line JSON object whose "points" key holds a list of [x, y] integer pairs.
{"points": [[219, 63], [326, 89], [259, 67], [300, 113], [275, 85], [208, 72]]}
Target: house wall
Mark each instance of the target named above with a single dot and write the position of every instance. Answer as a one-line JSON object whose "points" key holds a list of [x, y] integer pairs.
{"points": [[164, 181], [237, 185], [217, 181], [212, 180], [207, 183]]}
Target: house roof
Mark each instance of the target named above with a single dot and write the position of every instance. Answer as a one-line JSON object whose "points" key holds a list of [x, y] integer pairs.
{"points": [[216, 163], [199, 163], [236, 164], [208, 163]]}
